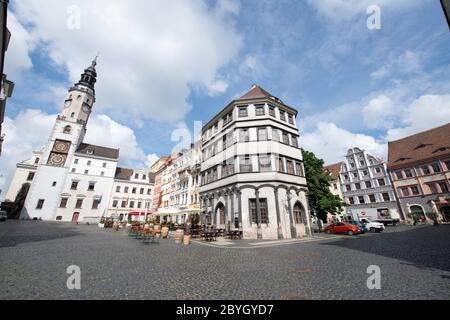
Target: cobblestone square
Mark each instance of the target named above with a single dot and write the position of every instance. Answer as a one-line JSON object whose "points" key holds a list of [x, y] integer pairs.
{"points": [[35, 255]]}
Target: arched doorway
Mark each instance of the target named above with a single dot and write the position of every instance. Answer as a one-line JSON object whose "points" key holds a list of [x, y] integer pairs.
{"points": [[445, 211], [299, 213], [418, 212], [220, 213]]}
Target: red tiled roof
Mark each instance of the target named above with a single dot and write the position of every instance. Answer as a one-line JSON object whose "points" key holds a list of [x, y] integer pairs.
{"points": [[256, 92], [423, 146], [334, 170]]}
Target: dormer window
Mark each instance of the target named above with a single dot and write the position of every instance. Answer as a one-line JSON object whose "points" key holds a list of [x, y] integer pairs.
{"points": [[90, 151], [442, 149], [401, 159], [423, 145]]}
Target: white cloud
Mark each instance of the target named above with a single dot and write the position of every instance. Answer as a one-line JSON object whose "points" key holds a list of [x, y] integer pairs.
{"points": [[151, 53], [151, 159], [424, 113], [331, 143], [104, 131], [408, 63], [381, 113], [217, 87], [21, 44], [20, 141]]}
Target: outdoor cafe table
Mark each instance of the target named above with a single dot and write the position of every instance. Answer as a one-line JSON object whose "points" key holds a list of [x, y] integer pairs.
{"points": [[210, 235], [234, 234]]}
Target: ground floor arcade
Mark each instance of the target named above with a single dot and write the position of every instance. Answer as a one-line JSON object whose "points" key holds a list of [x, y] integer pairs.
{"points": [[260, 211]]}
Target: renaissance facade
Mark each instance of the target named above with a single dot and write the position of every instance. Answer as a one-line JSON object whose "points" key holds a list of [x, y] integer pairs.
{"points": [[252, 173]]}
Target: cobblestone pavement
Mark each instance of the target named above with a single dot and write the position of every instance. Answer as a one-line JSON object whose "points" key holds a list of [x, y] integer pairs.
{"points": [[34, 256]]}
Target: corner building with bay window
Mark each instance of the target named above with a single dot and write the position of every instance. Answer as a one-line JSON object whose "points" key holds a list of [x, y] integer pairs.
{"points": [[252, 172]]}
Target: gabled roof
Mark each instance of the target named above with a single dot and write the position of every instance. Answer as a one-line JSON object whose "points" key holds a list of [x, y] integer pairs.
{"points": [[93, 150], [123, 173], [422, 146], [334, 170], [256, 92]]}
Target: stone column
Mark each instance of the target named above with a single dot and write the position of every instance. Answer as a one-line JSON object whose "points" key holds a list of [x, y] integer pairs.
{"points": [[291, 217], [258, 215], [231, 216], [213, 211], [277, 208], [307, 215], [239, 194], [226, 210]]}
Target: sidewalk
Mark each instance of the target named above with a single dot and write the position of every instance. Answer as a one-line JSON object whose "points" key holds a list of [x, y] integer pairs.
{"points": [[252, 244]]}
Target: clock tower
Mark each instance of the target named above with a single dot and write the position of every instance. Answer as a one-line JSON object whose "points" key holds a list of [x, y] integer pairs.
{"points": [[57, 155], [78, 105]]}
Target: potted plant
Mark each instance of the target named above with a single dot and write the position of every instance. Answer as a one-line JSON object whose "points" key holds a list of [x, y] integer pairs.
{"points": [[433, 216], [415, 218], [187, 236], [101, 224]]}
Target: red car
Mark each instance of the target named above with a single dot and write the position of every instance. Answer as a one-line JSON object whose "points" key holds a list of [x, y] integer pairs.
{"points": [[342, 227]]}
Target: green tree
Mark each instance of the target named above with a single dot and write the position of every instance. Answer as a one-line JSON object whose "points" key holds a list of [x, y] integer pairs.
{"points": [[320, 197]]}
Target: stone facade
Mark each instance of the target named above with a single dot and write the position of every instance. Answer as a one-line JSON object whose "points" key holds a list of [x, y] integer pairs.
{"points": [[252, 169]]}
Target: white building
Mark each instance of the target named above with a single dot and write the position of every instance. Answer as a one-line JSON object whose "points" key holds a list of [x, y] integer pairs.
{"points": [[71, 180], [366, 186], [25, 172], [87, 187], [252, 170], [132, 195]]}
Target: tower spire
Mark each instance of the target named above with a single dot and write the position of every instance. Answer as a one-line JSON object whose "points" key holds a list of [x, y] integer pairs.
{"points": [[89, 77], [94, 62]]}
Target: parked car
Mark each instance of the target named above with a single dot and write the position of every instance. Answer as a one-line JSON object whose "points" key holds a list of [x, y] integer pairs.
{"points": [[373, 226], [362, 227], [3, 216], [342, 227]]}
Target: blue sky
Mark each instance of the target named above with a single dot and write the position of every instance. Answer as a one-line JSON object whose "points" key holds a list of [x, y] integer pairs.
{"points": [[164, 65]]}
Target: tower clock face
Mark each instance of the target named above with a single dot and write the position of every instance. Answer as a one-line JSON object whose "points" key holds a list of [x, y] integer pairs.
{"points": [[57, 160], [68, 103], [61, 146]]}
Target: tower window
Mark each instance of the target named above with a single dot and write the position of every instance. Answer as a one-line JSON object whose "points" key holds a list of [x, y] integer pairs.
{"points": [[78, 97], [40, 204], [72, 115], [36, 161], [67, 129]]}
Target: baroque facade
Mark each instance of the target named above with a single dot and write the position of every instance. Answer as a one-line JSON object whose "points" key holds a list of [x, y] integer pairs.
{"points": [[420, 170], [252, 169], [179, 184], [366, 186]]}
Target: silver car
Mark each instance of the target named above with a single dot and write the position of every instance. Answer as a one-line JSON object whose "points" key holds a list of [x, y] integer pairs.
{"points": [[3, 216]]}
